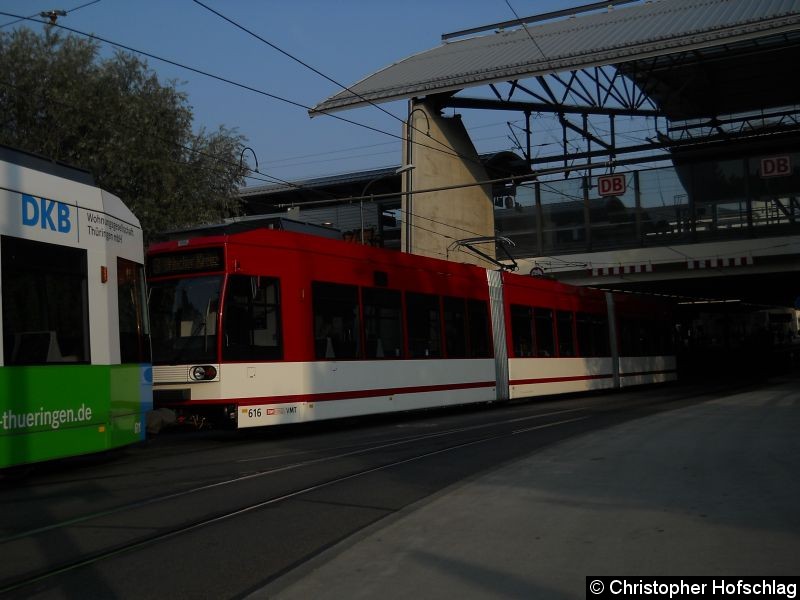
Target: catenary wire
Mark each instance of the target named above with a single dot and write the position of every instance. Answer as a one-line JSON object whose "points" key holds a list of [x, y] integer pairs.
{"points": [[315, 70], [232, 82]]}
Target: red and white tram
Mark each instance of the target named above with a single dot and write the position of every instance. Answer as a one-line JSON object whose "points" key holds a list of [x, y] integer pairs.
{"points": [[264, 327]]}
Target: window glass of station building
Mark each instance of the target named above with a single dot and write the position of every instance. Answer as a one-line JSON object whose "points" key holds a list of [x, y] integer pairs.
{"points": [[521, 332], [383, 323], [252, 322], [566, 341], [613, 218], [336, 321], [134, 328], [455, 327], [45, 303], [773, 185], [424, 328], [183, 319], [719, 198], [479, 332], [563, 223], [545, 339], [665, 207]]}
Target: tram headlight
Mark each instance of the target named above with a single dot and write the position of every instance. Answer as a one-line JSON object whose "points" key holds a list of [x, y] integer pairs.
{"points": [[203, 373]]}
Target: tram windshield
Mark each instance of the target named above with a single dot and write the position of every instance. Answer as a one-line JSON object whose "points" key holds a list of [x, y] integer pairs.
{"points": [[183, 319]]}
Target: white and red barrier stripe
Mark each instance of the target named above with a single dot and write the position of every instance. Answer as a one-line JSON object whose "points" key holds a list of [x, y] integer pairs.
{"points": [[623, 269], [717, 263]]}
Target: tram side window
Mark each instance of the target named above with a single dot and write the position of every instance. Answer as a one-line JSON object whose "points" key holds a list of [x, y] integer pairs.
{"points": [[600, 336], [545, 339], [667, 345], [336, 320], [592, 334], [627, 337], [45, 303], [585, 330], [479, 332], [424, 329], [521, 332], [657, 338], [633, 337], [566, 342], [650, 342], [383, 323], [455, 327], [252, 324], [646, 338], [134, 329]]}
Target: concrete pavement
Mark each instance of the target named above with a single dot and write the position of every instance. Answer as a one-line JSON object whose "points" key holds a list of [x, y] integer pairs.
{"points": [[711, 489]]}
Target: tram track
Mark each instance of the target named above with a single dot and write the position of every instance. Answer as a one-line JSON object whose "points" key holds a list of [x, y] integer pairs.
{"points": [[272, 471], [94, 539], [19, 583]]}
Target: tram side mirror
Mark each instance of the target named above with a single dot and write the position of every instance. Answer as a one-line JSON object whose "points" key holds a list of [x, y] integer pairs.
{"points": [[255, 283], [211, 317]]}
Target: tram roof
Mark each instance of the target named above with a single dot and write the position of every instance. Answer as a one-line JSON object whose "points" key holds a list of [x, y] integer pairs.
{"points": [[45, 165], [40, 176], [692, 57]]}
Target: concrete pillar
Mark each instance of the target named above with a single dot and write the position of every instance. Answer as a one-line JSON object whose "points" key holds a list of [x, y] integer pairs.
{"points": [[443, 155]]}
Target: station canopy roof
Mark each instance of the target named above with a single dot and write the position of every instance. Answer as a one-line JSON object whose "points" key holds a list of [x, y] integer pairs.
{"points": [[693, 58]]}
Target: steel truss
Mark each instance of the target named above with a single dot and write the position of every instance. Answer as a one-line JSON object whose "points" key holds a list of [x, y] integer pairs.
{"points": [[580, 99]]}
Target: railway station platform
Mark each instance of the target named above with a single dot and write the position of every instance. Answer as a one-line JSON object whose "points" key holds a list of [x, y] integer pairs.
{"points": [[710, 489]]}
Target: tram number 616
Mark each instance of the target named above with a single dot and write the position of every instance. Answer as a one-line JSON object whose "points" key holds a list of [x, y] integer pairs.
{"points": [[253, 413]]}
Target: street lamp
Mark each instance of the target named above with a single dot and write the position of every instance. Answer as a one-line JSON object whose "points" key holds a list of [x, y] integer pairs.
{"points": [[397, 171]]}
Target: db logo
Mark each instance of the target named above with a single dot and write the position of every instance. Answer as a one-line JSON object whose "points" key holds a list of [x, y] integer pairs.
{"points": [[776, 166], [611, 185]]}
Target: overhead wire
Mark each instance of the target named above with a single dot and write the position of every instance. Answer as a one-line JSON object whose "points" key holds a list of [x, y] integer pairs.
{"points": [[409, 124], [283, 161], [229, 82], [289, 159], [243, 86], [329, 152], [265, 177], [273, 179], [289, 55], [270, 178], [525, 27], [330, 160], [226, 80]]}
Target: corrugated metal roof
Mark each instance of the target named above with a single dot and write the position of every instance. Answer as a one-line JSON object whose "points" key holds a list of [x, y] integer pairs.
{"points": [[617, 36]]}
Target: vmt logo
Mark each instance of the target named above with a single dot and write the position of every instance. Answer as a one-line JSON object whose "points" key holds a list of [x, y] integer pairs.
{"points": [[39, 211]]}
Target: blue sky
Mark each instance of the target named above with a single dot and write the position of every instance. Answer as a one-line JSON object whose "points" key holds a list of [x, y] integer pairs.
{"points": [[347, 40]]}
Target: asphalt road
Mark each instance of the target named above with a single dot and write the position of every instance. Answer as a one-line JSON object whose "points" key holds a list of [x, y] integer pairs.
{"points": [[223, 514]]}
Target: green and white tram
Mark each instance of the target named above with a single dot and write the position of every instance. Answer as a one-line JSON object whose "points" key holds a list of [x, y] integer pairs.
{"points": [[75, 374]]}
